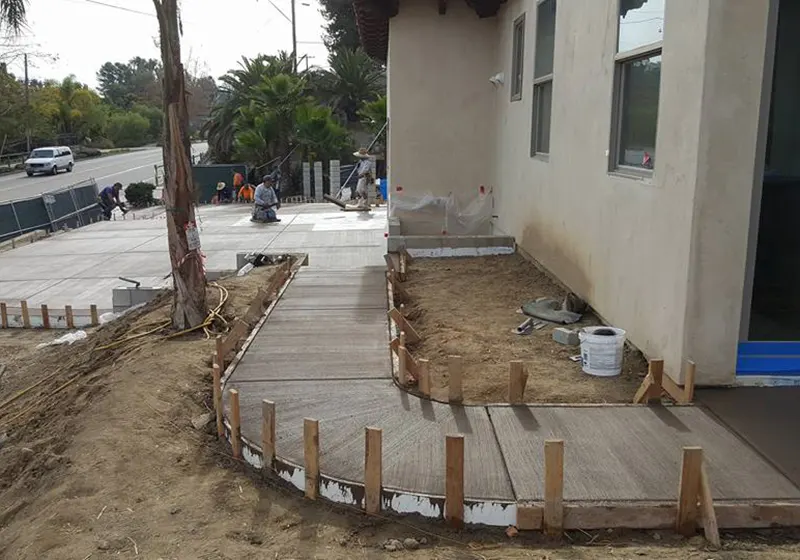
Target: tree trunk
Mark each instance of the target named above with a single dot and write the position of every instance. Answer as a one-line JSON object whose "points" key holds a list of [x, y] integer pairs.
{"points": [[189, 280]]}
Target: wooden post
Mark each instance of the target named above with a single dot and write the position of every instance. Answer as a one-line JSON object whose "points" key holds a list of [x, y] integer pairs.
{"points": [[268, 433], [710, 526], [688, 382], [311, 454], [70, 317], [401, 360], [454, 480], [220, 351], [373, 469], [656, 368], [217, 395], [236, 430], [3, 315], [95, 316], [455, 367], [424, 381], [517, 379], [26, 317], [553, 486], [689, 490], [45, 317]]}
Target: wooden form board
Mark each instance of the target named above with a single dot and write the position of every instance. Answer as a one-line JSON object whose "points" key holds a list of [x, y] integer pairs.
{"points": [[656, 384], [454, 480], [403, 325], [311, 455], [373, 469]]}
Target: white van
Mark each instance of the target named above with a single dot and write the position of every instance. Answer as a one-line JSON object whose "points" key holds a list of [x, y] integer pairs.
{"points": [[49, 160]]}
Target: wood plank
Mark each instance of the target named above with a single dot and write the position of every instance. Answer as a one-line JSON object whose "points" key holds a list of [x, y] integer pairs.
{"points": [[311, 456], [3, 316], [94, 315], [689, 490], [390, 266], [236, 424], [26, 318], [553, 519], [268, 434], [454, 480], [709, 516], [643, 390], [402, 358], [455, 384], [256, 307], [70, 317], [235, 336], [412, 337], [45, 317], [373, 469], [529, 517], [656, 368], [404, 252], [217, 395], [220, 351], [688, 382], [424, 377], [672, 389], [399, 292], [517, 379]]}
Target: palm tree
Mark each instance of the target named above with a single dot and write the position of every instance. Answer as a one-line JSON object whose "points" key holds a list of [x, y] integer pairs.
{"points": [[13, 15], [352, 80]]}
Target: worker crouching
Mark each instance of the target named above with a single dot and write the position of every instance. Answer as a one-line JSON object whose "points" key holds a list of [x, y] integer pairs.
{"points": [[266, 202]]}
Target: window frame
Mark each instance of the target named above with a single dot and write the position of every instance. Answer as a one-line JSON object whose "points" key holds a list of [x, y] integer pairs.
{"points": [[621, 60], [539, 83], [518, 59]]}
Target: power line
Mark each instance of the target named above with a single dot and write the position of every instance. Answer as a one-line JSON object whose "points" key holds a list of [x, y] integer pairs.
{"points": [[287, 18], [115, 7]]}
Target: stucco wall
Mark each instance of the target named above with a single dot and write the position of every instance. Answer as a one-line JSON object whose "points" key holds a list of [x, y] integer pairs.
{"points": [[440, 101]]}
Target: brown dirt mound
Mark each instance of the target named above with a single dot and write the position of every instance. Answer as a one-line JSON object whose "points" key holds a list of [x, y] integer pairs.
{"points": [[467, 307]]}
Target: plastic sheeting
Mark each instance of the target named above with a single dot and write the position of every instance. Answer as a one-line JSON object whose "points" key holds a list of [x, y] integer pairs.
{"points": [[427, 214]]}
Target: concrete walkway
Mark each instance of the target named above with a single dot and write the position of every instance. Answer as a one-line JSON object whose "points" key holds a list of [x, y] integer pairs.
{"points": [[323, 354]]}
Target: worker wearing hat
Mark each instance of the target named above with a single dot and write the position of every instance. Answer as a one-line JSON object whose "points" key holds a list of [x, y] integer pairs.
{"points": [[365, 170], [266, 201]]}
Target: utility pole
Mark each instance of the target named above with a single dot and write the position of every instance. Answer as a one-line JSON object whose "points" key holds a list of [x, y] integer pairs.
{"points": [[294, 39], [27, 105]]}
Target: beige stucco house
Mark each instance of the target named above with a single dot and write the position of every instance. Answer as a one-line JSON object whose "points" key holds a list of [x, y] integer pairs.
{"points": [[629, 145]]}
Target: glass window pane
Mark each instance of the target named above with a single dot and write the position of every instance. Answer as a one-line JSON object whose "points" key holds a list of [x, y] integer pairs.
{"points": [[545, 38], [639, 112], [517, 58], [543, 100], [641, 22]]}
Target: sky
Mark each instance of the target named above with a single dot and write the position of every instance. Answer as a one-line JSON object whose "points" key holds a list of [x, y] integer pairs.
{"points": [[84, 34]]}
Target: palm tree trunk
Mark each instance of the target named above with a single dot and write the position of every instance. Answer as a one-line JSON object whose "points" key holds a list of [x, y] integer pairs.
{"points": [[189, 281]]}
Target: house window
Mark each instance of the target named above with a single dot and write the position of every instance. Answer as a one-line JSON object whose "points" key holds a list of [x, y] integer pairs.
{"points": [[543, 76], [637, 84], [517, 57]]}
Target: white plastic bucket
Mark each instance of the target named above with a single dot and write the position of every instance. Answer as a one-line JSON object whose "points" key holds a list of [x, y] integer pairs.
{"points": [[601, 354]]}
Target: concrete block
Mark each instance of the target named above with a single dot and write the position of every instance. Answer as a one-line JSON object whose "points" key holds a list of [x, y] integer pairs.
{"points": [[144, 295], [394, 226], [565, 336], [121, 297]]}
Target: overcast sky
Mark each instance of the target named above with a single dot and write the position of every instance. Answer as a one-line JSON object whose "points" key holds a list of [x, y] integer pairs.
{"points": [[84, 34]]}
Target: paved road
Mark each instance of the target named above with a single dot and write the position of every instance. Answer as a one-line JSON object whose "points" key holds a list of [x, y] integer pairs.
{"points": [[125, 168]]}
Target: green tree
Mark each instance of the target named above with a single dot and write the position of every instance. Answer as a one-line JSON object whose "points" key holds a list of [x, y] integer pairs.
{"points": [[123, 84], [373, 117], [70, 108], [154, 116], [341, 29], [13, 15], [352, 80], [127, 130]]}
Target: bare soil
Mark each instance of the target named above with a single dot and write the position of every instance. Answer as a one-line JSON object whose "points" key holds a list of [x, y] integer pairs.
{"points": [[468, 307], [100, 461]]}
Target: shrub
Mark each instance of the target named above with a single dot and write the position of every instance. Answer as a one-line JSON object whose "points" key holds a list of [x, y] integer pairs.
{"points": [[128, 130], [140, 195], [100, 143]]}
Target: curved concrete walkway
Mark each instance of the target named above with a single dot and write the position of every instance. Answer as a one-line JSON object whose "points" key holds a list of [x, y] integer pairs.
{"points": [[323, 353]]}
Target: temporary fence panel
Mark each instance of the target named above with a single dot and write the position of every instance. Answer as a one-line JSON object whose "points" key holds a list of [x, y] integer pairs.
{"points": [[206, 178]]}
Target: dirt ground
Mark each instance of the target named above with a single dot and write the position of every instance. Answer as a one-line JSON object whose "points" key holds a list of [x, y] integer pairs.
{"points": [[468, 307], [109, 466]]}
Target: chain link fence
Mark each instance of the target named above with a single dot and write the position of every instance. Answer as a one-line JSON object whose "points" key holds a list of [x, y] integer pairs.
{"points": [[72, 206]]}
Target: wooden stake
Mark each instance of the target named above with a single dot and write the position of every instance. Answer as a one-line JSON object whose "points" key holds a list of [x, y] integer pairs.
{"points": [[268, 433], [688, 382], [710, 527], [373, 469], [402, 360], [656, 368], [236, 424], [70, 317], [402, 324], [455, 368], [553, 486], [95, 316], [220, 348], [26, 318], [311, 454], [217, 395], [454, 481], [689, 490], [517, 379], [424, 382], [45, 317], [3, 315]]}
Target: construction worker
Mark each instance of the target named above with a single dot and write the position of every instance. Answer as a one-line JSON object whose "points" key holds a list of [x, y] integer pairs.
{"points": [[266, 201], [246, 193], [365, 170], [109, 199]]}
